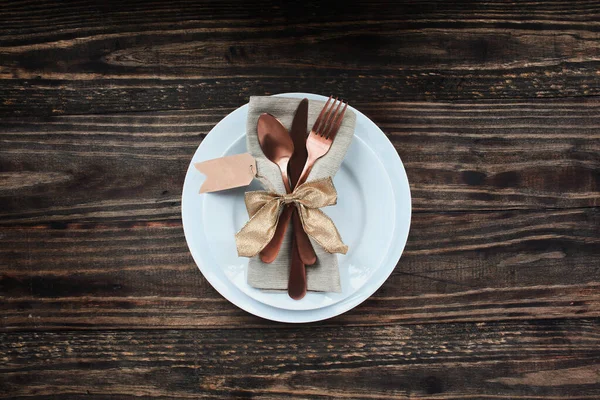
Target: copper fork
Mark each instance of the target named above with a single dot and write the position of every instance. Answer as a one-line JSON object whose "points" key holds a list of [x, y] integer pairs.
{"points": [[317, 145], [321, 136]]}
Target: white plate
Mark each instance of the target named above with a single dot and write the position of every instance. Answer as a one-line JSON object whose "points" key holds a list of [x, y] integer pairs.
{"points": [[372, 215]]}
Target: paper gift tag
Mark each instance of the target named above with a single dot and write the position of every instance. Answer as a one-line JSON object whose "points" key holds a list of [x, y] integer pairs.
{"points": [[227, 172]]}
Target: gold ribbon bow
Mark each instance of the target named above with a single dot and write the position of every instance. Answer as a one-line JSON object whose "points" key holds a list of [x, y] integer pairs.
{"points": [[264, 210]]}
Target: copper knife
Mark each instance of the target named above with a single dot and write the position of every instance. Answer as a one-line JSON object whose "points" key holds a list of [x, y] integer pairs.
{"points": [[302, 251], [298, 160]]}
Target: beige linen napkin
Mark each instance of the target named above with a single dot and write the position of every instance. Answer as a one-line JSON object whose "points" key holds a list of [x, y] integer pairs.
{"points": [[324, 275]]}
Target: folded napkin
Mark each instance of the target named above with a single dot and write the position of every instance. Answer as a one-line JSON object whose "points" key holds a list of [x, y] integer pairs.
{"points": [[324, 275]]}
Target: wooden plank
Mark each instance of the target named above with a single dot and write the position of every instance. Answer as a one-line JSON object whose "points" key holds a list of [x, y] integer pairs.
{"points": [[456, 267], [32, 17], [530, 360], [88, 58], [458, 156]]}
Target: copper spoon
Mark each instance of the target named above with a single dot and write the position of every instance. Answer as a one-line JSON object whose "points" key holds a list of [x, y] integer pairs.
{"points": [[276, 144], [270, 130]]}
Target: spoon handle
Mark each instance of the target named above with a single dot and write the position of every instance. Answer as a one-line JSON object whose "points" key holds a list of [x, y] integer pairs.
{"points": [[283, 167], [269, 253]]}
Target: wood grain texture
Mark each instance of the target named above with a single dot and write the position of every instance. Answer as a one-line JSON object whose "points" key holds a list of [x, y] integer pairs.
{"points": [[98, 196], [533, 360], [492, 105], [86, 57], [456, 267], [458, 156]]}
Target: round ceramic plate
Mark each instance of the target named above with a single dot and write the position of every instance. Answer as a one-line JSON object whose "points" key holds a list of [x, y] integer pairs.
{"points": [[372, 215]]}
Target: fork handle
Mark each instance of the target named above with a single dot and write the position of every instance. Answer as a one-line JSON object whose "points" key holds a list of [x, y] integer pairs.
{"points": [[305, 249], [307, 168]]}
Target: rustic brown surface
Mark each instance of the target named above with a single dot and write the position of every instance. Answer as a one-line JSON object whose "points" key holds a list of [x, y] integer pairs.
{"points": [[532, 359], [491, 106]]}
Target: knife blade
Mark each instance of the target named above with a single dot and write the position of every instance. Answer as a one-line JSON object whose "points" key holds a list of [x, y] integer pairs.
{"points": [[298, 133]]}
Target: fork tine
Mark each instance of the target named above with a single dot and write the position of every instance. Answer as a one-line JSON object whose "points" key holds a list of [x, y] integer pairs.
{"points": [[338, 122], [317, 123], [331, 123], [327, 119]]}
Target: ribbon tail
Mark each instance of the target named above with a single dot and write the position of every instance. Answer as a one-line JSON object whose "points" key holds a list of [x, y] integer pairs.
{"points": [[258, 231], [322, 229]]}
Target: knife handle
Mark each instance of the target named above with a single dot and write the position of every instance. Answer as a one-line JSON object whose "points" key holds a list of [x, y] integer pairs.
{"points": [[305, 249], [297, 279], [269, 253]]}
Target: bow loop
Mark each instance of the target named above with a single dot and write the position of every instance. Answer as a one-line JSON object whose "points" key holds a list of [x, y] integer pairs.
{"points": [[264, 210], [316, 194], [256, 200]]}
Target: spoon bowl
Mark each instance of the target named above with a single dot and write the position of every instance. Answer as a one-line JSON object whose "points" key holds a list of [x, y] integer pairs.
{"points": [[276, 144]]}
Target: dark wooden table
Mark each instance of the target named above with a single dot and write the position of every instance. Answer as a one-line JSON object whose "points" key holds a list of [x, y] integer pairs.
{"points": [[492, 105]]}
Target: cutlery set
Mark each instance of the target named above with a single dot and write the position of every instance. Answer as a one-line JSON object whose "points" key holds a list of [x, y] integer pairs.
{"points": [[295, 153]]}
